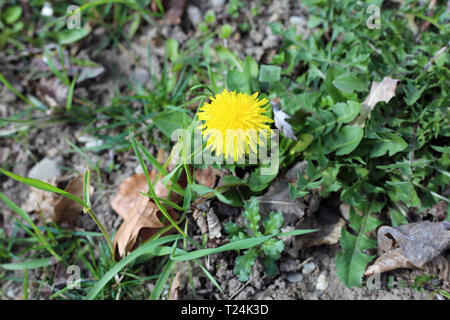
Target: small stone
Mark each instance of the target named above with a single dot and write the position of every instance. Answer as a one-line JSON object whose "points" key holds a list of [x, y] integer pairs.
{"points": [[308, 268], [46, 169], [296, 20], [322, 282], [294, 277], [218, 4], [194, 15], [289, 265], [141, 75]]}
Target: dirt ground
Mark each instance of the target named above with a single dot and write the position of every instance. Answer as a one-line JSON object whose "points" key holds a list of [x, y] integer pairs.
{"points": [[312, 275]]}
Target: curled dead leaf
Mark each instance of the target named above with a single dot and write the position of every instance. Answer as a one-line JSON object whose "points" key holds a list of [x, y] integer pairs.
{"points": [[330, 226], [379, 91], [142, 217], [214, 225], [201, 221], [55, 208], [420, 242], [208, 176], [417, 245]]}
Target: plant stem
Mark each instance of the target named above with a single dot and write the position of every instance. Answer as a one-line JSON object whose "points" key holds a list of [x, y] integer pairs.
{"points": [[102, 229]]}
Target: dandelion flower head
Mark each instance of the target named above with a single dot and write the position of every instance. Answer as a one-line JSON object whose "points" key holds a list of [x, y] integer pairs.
{"points": [[232, 123]]}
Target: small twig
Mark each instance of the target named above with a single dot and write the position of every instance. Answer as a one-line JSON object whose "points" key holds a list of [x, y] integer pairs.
{"points": [[435, 57], [300, 266], [240, 289]]}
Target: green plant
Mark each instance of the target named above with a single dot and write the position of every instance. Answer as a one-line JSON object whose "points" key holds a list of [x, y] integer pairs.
{"points": [[272, 247]]}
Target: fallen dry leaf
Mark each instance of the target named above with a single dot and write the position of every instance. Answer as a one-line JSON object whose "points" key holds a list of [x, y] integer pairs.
{"points": [[416, 245], [174, 10], [201, 221], [141, 223], [208, 176], [379, 91], [395, 259], [329, 224], [67, 210], [280, 118], [420, 242], [208, 224], [175, 287], [53, 92], [214, 225], [55, 208], [128, 194], [142, 218]]}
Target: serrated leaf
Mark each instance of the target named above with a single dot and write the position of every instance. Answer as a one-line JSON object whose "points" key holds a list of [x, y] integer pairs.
{"points": [[258, 182], [244, 263], [273, 223], [271, 266], [251, 213], [391, 143], [349, 82], [273, 248], [351, 262]]}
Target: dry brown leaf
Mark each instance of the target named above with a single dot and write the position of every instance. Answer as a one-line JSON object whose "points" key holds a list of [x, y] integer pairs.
{"points": [[174, 292], [201, 221], [394, 259], [329, 224], [67, 210], [391, 260], [53, 91], [416, 245], [174, 10], [214, 225], [44, 201], [379, 91], [208, 176], [141, 215], [128, 194], [53, 207], [141, 223], [420, 242]]}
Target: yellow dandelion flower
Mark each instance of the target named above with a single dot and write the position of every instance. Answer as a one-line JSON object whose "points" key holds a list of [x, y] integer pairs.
{"points": [[232, 123]]}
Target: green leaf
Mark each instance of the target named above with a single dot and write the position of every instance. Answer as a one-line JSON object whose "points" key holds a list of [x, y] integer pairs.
{"points": [[200, 189], [251, 213], [345, 140], [44, 186], [352, 262], [172, 49], [148, 247], [12, 14], [170, 120], [30, 264], [349, 82], [244, 263], [233, 229], [391, 143], [397, 218], [237, 81], [273, 223], [346, 112], [258, 182], [269, 74], [273, 248], [71, 36], [271, 266]]}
